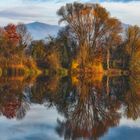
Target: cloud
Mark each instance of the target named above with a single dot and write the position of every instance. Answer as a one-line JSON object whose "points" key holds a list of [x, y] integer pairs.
{"points": [[127, 12], [15, 14], [30, 13], [123, 0], [45, 10]]}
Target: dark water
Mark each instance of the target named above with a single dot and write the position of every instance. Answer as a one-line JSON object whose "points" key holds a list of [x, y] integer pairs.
{"points": [[54, 108]]}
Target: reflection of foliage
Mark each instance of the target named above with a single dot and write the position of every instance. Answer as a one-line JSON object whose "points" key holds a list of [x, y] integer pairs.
{"points": [[24, 107], [90, 116], [132, 99], [90, 107], [21, 112], [93, 111], [132, 104], [12, 103], [44, 87], [38, 92], [63, 97]]}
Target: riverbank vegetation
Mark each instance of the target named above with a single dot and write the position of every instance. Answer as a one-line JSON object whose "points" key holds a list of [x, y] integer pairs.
{"points": [[92, 41]]}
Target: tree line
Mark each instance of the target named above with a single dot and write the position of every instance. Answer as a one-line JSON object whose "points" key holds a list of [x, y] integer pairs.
{"points": [[91, 41]]}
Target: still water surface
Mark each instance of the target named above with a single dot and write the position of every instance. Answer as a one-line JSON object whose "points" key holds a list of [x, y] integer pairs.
{"points": [[54, 108]]}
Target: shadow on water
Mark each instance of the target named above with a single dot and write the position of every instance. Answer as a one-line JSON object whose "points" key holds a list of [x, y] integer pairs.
{"points": [[89, 107]]}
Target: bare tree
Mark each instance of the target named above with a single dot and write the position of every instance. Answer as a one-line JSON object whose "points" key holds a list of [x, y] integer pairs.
{"points": [[25, 36]]}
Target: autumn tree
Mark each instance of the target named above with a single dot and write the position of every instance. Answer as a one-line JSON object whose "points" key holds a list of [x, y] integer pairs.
{"points": [[67, 45], [38, 50], [53, 54], [12, 48], [132, 36], [132, 45], [14, 39], [47, 54], [113, 40], [9, 39], [11, 35], [91, 25]]}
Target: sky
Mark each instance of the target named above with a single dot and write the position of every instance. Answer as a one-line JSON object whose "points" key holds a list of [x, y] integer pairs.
{"points": [[27, 11]]}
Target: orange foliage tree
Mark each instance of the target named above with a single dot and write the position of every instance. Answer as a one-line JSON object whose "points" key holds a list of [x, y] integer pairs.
{"points": [[9, 40], [92, 26], [132, 45]]}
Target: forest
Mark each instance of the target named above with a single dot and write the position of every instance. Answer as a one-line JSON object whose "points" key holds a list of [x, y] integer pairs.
{"points": [[91, 42], [89, 72]]}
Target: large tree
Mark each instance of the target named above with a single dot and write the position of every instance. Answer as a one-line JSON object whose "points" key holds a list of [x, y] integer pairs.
{"points": [[91, 25]]}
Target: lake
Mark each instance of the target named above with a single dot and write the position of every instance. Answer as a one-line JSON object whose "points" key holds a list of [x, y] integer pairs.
{"points": [[70, 108]]}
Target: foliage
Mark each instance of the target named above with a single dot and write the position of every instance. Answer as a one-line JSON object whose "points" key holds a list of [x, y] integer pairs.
{"points": [[91, 42], [38, 50], [92, 27], [132, 45]]}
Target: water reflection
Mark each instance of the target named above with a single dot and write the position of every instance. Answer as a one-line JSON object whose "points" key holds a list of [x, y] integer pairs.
{"points": [[84, 109]]}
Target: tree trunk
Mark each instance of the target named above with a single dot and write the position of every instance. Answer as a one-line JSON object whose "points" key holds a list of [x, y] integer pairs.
{"points": [[108, 59], [107, 86]]}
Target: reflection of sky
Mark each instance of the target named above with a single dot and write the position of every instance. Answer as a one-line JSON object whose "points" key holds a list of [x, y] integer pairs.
{"points": [[40, 123], [127, 130], [123, 133]]}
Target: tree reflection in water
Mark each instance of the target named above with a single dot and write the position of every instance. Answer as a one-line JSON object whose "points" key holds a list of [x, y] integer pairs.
{"points": [[90, 107], [96, 108], [13, 102]]}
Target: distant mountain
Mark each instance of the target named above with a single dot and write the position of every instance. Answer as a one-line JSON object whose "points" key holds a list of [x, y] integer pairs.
{"points": [[40, 30]]}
